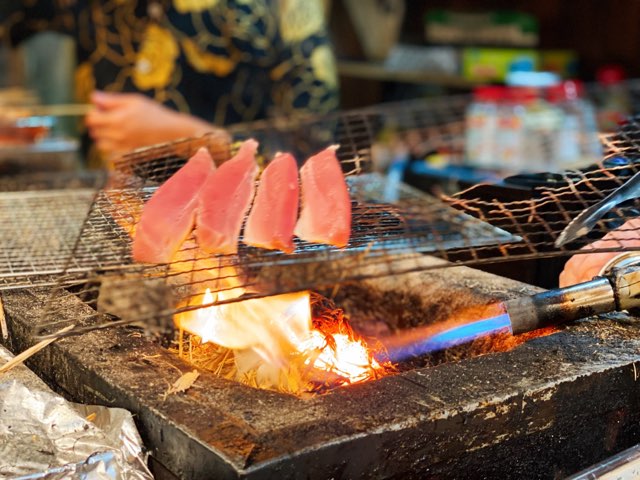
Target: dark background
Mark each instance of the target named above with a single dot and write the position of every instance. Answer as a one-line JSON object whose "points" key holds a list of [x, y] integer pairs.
{"points": [[599, 31]]}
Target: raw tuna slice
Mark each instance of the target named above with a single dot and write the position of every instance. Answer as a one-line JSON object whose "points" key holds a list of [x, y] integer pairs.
{"points": [[225, 199], [326, 207], [275, 209], [168, 217]]}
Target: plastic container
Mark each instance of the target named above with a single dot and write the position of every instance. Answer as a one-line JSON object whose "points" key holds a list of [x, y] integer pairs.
{"points": [[577, 141], [482, 126], [510, 152], [527, 126], [613, 101]]}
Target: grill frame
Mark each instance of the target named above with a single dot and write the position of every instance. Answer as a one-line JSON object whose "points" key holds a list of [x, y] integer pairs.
{"points": [[426, 423]]}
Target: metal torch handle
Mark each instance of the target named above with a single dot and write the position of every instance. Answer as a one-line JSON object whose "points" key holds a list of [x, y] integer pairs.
{"points": [[617, 290], [561, 305]]}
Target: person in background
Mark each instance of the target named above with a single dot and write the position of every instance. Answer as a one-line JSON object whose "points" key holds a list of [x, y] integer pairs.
{"points": [[160, 70]]}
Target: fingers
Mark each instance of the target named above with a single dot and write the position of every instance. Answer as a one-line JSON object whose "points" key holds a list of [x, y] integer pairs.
{"points": [[584, 267], [106, 129], [570, 272], [122, 121], [110, 143], [99, 119], [101, 123], [566, 277], [110, 140], [109, 100], [102, 100], [574, 276]]}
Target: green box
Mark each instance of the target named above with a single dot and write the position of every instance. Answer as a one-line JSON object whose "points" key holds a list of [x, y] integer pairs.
{"points": [[562, 62], [493, 64]]}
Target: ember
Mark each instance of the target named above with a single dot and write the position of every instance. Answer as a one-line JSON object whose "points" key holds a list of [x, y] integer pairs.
{"points": [[293, 343]]}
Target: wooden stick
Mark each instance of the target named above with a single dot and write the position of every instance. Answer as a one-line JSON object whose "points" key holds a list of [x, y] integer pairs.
{"points": [[18, 359], [61, 110], [3, 322]]}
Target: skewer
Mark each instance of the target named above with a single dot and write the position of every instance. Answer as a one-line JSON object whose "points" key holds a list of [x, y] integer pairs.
{"points": [[18, 359], [61, 110], [4, 331]]}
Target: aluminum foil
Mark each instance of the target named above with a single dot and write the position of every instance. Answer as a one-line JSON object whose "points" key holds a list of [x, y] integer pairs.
{"points": [[43, 436]]}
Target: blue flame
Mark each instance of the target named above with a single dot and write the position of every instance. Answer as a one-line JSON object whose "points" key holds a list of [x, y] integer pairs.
{"points": [[454, 336]]}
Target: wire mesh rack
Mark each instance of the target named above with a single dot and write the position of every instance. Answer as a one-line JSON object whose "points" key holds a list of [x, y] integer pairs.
{"points": [[89, 255], [383, 234], [41, 220], [556, 199]]}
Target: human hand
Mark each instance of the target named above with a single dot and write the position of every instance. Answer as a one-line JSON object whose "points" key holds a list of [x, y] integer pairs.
{"points": [[122, 122], [583, 267]]}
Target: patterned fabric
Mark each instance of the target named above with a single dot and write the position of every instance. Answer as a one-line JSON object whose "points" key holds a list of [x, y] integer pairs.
{"points": [[226, 61]]}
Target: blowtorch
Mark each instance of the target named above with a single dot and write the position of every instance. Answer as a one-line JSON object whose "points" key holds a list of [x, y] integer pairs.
{"points": [[617, 289]]}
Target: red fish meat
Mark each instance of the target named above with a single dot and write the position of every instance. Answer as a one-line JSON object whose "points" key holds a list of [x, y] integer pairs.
{"points": [[225, 199], [275, 209], [326, 206], [168, 217]]}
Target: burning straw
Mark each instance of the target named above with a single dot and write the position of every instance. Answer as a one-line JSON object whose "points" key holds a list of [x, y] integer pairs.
{"points": [[334, 355]]}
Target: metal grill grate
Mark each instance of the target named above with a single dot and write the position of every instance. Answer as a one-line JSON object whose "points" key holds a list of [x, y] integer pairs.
{"points": [[391, 222], [38, 234], [557, 199], [383, 234]]}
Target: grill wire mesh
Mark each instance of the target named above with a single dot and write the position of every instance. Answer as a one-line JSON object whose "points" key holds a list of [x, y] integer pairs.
{"points": [[88, 254], [556, 201]]}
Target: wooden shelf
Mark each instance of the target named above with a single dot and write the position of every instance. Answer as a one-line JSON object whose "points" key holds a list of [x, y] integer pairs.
{"points": [[377, 71]]}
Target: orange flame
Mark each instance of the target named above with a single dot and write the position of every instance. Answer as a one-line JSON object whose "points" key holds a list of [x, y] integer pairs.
{"points": [[280, 331], [349, 358]]}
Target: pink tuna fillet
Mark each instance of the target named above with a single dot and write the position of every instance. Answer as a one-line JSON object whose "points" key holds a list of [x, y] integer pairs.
{"points": [[275, 209], [225, 199], [168, 217], [326, 207]]}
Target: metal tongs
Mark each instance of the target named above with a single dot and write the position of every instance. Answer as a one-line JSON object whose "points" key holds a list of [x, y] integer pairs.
{"points": [[583, 223]]}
